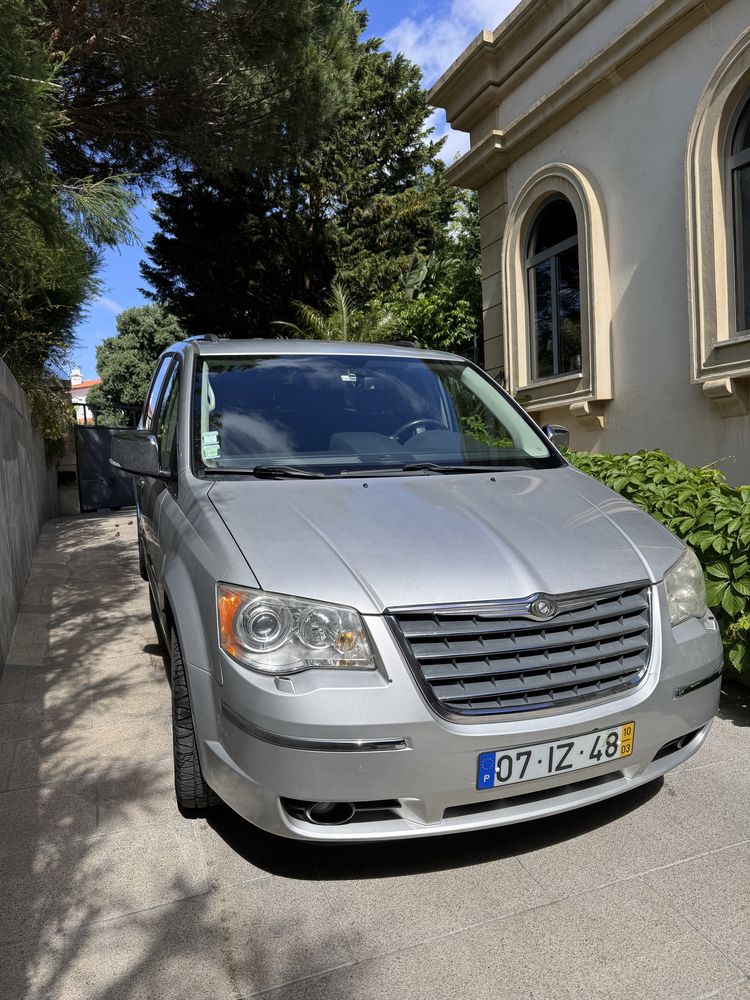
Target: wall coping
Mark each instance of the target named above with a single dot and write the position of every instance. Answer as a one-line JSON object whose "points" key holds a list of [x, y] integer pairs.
{"points": [[12, 393]]}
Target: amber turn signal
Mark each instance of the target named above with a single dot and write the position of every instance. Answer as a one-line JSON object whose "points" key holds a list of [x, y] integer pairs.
{"points": [[229, 601]]}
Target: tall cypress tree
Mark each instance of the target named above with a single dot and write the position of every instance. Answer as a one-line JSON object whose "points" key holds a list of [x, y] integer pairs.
{"points": [[232, 254]]}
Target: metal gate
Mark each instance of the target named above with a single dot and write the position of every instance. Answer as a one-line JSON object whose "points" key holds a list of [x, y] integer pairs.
{"points": [[99, 483]]}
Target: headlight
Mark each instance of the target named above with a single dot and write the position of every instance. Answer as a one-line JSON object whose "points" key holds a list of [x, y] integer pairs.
{"points": [[686, 588], [275, 634]]}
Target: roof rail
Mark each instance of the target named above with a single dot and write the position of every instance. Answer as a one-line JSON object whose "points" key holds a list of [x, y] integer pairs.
{"points": [[405, 343], [208, 337]]}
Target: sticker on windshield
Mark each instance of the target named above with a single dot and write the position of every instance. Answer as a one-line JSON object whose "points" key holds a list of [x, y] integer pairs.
{"points": [[210, 444]]}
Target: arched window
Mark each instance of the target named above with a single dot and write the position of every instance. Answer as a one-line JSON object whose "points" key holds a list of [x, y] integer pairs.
{"points": [[557, 314], [554, 290], [739, 170], [718, 229]]}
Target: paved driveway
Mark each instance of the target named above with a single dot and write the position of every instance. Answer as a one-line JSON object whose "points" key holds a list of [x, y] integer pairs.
{"points": [[106, 892]]}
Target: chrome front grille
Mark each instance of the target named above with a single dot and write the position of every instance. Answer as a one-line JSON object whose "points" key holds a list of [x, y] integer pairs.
{"points": [[498, 658]]}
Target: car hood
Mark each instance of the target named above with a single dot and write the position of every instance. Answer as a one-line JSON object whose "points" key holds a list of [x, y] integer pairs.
{"points": [[388, 542]]}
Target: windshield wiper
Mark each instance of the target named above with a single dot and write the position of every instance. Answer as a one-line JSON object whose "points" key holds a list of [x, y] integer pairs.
{"points": [[394, 470], [294, 472], [436, 467], [285, 472]]}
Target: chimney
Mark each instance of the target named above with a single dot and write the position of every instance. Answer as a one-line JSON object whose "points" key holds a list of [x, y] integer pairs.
{"points": [[75, 377]]}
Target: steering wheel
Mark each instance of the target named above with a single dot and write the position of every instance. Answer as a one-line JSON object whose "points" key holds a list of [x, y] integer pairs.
{"points": [[412, 425]]}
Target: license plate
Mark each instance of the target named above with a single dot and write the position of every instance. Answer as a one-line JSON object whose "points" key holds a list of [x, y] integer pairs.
{"points": [[498, 768]]}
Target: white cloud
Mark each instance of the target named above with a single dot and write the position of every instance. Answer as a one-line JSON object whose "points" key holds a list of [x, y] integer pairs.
{"points": [[456, 143], [437, 39], [109, 304]]}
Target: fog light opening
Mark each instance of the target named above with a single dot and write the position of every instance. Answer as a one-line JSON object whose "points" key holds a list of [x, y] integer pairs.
{"points": [[329, 813], [674, 746]]}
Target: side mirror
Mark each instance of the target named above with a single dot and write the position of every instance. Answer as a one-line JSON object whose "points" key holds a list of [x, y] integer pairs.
{"points": [[558, 435], [137, 452]]}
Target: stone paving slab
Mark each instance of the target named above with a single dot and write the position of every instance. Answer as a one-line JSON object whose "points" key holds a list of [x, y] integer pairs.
{"points": [[85, 753], [108, 893], [714, 890], [741, 992], [616, 942]]}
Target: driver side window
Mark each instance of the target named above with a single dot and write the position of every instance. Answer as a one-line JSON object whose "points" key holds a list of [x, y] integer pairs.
{"points": [[165, 425], [154, 391]]}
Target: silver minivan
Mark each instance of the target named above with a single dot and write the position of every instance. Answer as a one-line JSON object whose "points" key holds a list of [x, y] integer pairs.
{"points": [[392, 608]]}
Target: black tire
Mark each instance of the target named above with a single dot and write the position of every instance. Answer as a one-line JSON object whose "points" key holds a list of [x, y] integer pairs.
{"points": [[142, 559], [193, 794]]}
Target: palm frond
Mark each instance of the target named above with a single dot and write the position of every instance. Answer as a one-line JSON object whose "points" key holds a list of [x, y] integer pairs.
{"points": [[342, 320], [297, 332], [317, 325]]}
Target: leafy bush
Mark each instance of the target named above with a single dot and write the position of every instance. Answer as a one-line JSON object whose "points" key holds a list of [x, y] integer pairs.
{"points": [[700, 507]]}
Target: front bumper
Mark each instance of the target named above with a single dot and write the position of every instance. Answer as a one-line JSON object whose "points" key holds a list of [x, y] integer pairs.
{"points": [[268, 746]]}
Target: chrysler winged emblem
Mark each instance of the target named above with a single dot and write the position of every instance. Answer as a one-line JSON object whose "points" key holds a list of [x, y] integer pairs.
{"points": [[543, 607]]}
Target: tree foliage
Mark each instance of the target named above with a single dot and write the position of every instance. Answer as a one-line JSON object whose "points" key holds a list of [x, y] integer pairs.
{"points": [[97, 96], [230, 258], [45, 267], [49, 229], [438, 302], [126, 361], [294, 154], [340, 320], [699, 506], [233, 254], [147, 84]]}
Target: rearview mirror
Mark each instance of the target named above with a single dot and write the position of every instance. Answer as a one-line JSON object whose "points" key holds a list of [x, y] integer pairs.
{"points": [[558, 435], [137, 452]]}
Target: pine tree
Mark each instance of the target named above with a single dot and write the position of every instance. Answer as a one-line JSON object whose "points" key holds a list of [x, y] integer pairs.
{"points": [[232, 255], [148, 84]]}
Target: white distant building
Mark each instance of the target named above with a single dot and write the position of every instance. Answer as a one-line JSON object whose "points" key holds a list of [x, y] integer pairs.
{"points": [[79, 390], [610, 146]]}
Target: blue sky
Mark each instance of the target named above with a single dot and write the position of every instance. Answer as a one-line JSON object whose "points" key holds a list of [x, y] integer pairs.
{"points": [[431, 32]]}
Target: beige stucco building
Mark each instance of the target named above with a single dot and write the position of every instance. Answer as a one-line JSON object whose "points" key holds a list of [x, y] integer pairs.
{"points": [[610, 146]]}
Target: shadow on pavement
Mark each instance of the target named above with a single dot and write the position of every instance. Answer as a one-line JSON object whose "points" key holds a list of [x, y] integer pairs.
{"points": [[105, 893], [735, 702], [296, 859]]}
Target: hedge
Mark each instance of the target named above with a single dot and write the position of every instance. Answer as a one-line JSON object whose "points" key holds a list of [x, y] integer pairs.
{"points": [[699, 506]]}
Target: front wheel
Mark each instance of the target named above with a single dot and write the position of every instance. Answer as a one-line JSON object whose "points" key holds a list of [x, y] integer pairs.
{"points": [[193, 794]]}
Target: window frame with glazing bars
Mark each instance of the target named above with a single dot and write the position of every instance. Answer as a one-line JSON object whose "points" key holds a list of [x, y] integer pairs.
{"points": [[735, 163], [551, 254]]}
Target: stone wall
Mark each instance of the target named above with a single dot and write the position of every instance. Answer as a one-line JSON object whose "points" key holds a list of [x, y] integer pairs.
{"points": [[28, 496]]}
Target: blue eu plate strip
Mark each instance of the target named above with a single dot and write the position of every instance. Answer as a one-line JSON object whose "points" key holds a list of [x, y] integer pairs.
{"points": [[486, 771]]}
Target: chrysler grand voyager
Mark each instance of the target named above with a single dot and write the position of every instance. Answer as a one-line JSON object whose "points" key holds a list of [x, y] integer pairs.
{"points": [[393, 609]]}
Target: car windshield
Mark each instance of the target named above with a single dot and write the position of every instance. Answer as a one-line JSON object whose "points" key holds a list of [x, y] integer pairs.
{"points": [[334, 415]]}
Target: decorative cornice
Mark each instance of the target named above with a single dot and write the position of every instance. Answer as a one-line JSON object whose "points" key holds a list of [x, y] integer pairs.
{"points": [[475, 52], [729, 394], [485, 159], [499, 61], [590, 415], [652, 32]]}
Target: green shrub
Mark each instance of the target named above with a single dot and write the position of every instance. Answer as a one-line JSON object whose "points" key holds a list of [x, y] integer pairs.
{"points": [[700, 507]]}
